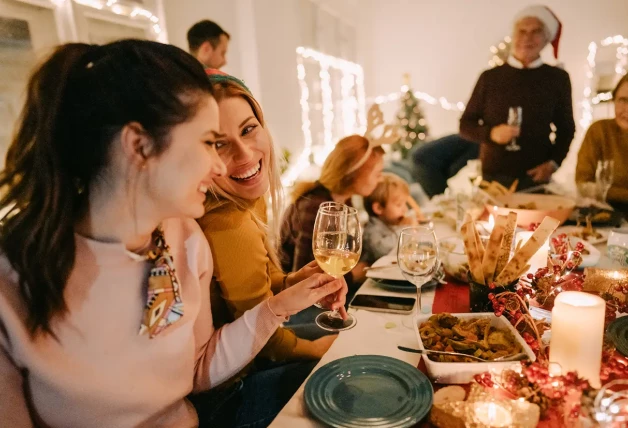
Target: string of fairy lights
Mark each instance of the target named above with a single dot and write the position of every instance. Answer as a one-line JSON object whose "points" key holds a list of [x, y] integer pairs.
{"points": [[499, 53], [352, 111], [589, 99], [120, 9]]}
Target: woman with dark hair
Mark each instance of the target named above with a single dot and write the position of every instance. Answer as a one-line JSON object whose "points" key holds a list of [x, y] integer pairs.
{"points": [[105, 318], [607, 139]]}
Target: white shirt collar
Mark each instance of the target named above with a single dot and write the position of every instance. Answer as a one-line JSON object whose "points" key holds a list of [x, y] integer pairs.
{"points": [[514, 62]]}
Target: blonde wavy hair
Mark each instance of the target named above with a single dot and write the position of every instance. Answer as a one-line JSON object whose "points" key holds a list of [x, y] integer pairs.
{"points": [[218, 197], [333, 174]]}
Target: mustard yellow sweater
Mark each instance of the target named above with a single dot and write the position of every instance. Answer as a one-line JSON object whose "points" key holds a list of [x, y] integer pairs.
{"points": [[605, 140], [244, 274]]}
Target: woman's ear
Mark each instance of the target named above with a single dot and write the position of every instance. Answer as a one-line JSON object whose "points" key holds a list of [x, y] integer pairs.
{"points": [[136, 144]]}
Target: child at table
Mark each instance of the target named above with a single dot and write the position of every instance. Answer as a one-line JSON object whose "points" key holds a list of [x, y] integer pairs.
{"points": [[387, 207]]}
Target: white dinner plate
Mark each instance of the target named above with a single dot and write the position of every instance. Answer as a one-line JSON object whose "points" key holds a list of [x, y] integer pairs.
{"points": [[392, 273], [594, 241]]}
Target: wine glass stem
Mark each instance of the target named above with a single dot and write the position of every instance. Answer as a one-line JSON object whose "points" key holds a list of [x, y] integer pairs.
{"points": [[418, 300], [333, 313], [419, 304]]}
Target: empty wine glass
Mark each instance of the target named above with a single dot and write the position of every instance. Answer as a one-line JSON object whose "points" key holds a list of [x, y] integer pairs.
{"points": [[604, 175], [417, 257], [337, 245], [515, 117]]}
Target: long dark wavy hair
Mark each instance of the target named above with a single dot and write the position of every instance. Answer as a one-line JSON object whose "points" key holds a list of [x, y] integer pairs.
{"points": [[78, 100]]}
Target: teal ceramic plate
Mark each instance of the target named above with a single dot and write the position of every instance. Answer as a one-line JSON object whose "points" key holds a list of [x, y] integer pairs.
{"points": [[618, 332], [368, 391], [391, 284]]}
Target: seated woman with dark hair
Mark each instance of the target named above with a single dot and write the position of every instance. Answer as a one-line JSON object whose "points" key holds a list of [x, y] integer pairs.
{"points": [[104, 275]]}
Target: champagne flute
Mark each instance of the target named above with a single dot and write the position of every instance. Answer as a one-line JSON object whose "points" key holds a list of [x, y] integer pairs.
{"points": [[604, 175], [515, 117], [337, 245], [417, 257]]}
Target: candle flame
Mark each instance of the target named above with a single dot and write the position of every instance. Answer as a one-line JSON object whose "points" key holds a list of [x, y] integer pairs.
{"points": [[491, 223]]}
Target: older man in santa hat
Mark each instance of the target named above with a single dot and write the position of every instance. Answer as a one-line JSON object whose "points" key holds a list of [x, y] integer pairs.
{"points": [[541, 91]]}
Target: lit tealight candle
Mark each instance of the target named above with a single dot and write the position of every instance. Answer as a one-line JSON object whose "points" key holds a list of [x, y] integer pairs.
{"points": [[492, 415], [491, 223], [539, 259], [577, 334]]}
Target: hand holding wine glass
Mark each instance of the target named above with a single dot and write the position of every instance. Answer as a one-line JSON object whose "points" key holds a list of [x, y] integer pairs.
{"points": [[417, 256], [515, 118], [337, 245]]}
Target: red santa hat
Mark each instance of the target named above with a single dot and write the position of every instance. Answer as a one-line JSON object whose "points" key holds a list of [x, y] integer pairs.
{"points": [[548, 18]]}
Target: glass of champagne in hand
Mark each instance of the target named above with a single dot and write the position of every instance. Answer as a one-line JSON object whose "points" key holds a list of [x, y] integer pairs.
{"points": [[337, 245], [515, 118], [417, 257]]}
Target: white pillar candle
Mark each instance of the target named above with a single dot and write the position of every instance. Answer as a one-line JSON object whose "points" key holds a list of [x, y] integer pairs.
{"points": [[539, 259], [577, 334]]}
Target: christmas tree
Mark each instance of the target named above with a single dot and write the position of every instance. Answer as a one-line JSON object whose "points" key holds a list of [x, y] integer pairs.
{"points": [[412, 123]]}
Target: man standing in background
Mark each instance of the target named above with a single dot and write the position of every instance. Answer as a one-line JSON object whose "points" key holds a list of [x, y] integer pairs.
{"points": [[544, 94], [208, 42]]}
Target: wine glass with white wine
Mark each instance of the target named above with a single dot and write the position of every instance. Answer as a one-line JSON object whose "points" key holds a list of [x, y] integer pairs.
{"points": [[417, 257], [337, 245]]}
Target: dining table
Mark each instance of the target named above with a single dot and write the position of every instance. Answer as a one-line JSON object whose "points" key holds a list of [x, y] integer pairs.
{"points": [[380, 333]]}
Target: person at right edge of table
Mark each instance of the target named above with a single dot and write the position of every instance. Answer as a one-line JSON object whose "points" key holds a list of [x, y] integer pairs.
{"points": [[607, 139], [543, 92]]}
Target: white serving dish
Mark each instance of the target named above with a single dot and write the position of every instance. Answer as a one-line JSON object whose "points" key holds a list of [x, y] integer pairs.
{"points": [[390, 273], [558, 207], [458, 373]]}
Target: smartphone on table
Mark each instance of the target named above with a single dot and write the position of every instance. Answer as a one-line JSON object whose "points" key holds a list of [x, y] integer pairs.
{"points": [[394, 304]]}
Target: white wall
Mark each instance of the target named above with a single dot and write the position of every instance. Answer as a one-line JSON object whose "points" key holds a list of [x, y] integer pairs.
{"points": [[278, 36], [444, 45]]}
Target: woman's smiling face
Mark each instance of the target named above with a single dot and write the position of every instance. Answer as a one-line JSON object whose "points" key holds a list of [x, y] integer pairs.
{"points": [[244, 146]]}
